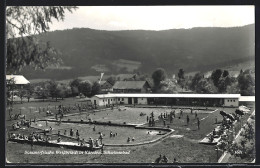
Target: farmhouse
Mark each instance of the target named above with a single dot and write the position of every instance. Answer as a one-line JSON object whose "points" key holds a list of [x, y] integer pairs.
{"points": [[218, 100], [105, 87], [131, 87], [19, 80]]}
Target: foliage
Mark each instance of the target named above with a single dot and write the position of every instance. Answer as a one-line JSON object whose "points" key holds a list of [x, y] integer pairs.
{"points": [[195, 80], [22, 94], [29, 91], [246, 83], [215, 76], [158, 76], [181, 74], [96, 88], [205, 86], [23, 47], [243, 147], [53, 90], [221, 80], [85, 88], [74, 84], [167, 86]]}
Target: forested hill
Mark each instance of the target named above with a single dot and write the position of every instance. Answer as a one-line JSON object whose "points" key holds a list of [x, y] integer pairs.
{"points": [[88, 52]]}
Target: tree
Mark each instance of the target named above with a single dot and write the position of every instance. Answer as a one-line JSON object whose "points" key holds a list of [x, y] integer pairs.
{"points": [[181, 74], [74, 84], [24, 48], [29, 91], [10, 87], [225, 73], [205, 86], [167, 86], [233, 88], [244, 147], [195, 80], [53, 89], [246, 83], [21, 94], [215, 76], [223, 83], [61, 91], [85, 88], [158, 76], [96, 88], [181, 80]]}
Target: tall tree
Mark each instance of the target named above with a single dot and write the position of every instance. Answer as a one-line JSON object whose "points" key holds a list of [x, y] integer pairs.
{"points": [[195, 80], [158, 76], [24, 48], [215, 76], [225, 73], [74, 84], [246, 83], [85, 88], [96, 88], [53, 89], [181, 74], [21, 94], [29, 91]]}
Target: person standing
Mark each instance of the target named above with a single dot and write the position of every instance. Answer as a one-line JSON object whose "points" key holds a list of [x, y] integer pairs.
{"points": [[198, 122]]}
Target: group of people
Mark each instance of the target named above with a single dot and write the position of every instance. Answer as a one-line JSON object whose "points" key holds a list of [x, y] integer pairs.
{"points": [[164, 159], [129, 139], [31, 137], [151, 120]]}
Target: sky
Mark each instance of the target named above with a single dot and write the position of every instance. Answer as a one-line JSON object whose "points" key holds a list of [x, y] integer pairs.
{"points": [[155, 17]]}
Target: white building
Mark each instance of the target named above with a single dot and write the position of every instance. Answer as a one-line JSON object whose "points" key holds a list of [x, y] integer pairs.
{"points": [[227, 100]]}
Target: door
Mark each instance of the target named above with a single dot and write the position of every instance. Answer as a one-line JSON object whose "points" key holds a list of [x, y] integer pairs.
{"points": [[135, 100], [129, 100]]}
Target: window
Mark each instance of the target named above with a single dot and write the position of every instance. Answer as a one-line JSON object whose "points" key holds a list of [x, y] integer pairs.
{"points": [[111, 99], [122, 99], [227, 100], [103, 100], [142, 98], [118, 99]]}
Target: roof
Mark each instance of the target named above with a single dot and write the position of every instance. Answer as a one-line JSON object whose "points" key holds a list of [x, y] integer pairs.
{"points": [[19, 79], [102, 82], [148, 95], [247, 98], [129, 84]]}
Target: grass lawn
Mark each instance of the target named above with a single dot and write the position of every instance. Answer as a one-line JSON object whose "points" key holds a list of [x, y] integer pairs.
{"points": [[185, 148]]}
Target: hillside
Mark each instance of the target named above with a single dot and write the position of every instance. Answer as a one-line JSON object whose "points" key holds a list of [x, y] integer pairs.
{"points": [[87, 52]]}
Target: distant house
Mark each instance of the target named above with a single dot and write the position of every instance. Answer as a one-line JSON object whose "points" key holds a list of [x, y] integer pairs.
{"points": [[19, 80], [131, 87], [106, 87]]}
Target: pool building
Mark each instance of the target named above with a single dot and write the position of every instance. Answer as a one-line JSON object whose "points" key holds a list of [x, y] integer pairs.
{"points": [[218, 100]]}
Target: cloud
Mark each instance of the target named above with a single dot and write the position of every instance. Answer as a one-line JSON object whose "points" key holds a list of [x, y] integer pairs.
{"points": [[156, 17]]}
